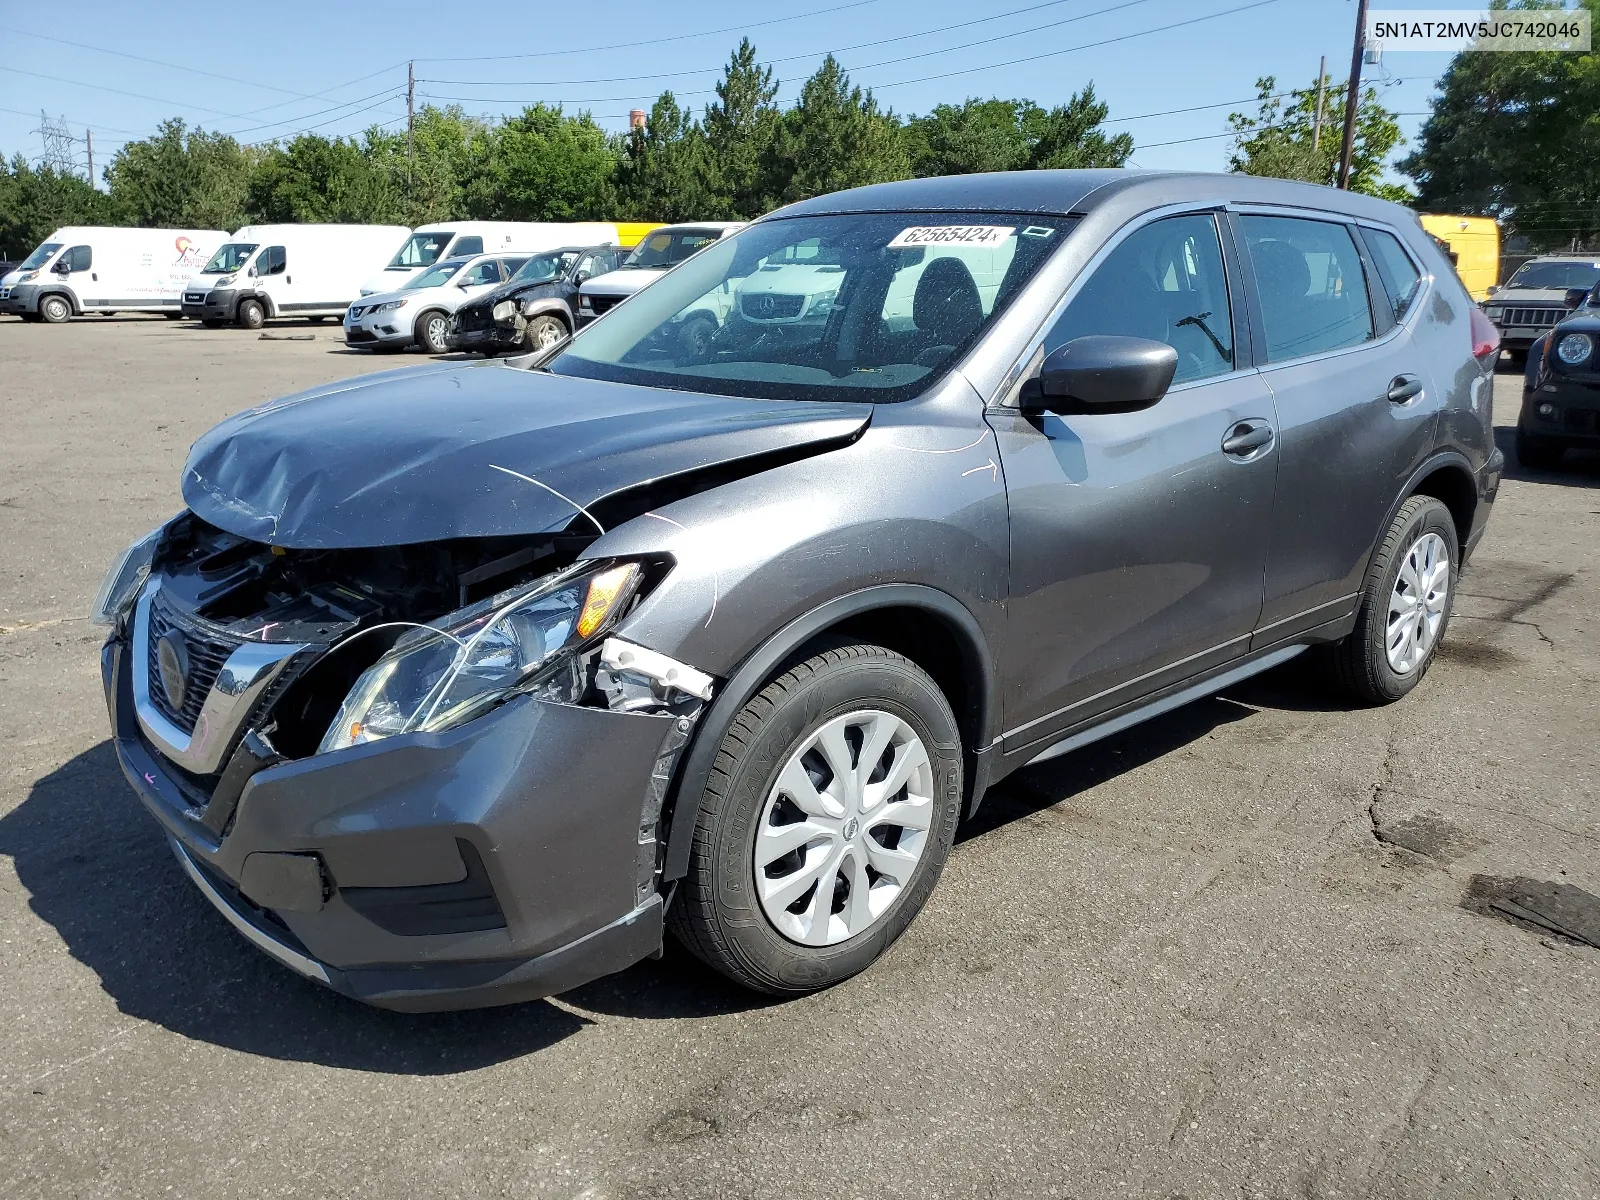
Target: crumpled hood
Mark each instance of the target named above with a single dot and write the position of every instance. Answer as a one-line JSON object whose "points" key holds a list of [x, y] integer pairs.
{"points": [[428, 453]]}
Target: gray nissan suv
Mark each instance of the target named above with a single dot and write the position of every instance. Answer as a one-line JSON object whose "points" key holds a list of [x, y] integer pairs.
{"points": [[462, 684]]}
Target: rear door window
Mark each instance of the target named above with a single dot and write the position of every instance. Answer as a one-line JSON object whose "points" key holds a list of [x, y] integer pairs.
{"points": [[1313, 290], [1397, 273], [1165, 282], [467, 245]]}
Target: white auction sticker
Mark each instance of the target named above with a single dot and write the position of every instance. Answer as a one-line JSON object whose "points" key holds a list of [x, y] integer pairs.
{"points": [[951, 235]]}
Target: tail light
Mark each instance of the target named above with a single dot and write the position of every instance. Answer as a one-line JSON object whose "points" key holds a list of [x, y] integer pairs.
{"points": [[1485, 337]]}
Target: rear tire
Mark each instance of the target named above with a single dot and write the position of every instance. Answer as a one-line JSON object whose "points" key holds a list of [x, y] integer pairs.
{"points": [[877, 852], [251, 314], [1405, 605], [55, 309], [1538, 453], [433, 332]]}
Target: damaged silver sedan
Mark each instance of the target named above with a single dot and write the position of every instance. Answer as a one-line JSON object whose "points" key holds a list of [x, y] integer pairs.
{"points": [[464, 684]]}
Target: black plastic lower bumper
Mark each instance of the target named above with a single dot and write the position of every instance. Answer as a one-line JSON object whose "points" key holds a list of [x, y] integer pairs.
{"points": [[1562, 410]]}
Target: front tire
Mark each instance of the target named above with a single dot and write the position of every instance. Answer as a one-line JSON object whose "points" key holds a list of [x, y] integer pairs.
{"points": [[1405, 605], [55, 310], [433, 332], [1538, 453], [251, 314], [544, 332], [829, 814]]}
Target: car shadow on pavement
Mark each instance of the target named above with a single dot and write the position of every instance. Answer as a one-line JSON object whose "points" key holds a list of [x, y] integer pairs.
{"points": [[98, 870], [1580, 468]]}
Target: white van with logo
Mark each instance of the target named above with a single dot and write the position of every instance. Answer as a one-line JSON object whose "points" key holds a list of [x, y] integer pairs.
{"points": [[264, 272], [106, 269], [466, 239]]}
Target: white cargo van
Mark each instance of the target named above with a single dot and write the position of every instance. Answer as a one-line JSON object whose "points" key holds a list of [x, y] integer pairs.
{"points": [[267, 271], [465, 239], [107, 269]]}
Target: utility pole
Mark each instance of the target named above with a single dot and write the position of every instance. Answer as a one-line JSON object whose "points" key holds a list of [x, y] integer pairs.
{"points": [[88, 137], [411, 116], [1322, 96], [1352, 96]]}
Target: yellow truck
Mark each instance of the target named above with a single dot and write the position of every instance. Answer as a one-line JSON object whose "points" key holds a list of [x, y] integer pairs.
{"points": [[631, 233], [1473, 244]]}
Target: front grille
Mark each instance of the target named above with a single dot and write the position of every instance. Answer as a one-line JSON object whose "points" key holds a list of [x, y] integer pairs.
{"points": [[473, 320], [207, 652], [1581, 419], [194, 297], [5, 293], [602, 304], [1533, 318], [771, 306]]}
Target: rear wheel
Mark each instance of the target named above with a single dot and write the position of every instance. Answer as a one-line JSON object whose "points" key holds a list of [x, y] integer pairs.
{"points": [[1539, 453], [1405, 605], [433, 332], [544, 332], [251, 314], [827, 819], [55, 309]]}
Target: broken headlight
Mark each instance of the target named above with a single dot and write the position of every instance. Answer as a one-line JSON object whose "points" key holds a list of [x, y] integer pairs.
{"points": [[526, 640], [125, 578]]}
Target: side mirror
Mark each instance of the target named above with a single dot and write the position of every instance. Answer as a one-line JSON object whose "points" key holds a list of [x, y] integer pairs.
{"points": [[581, 278], [1492, 288], [1102, 373], [1576, 296], [251, 272], [62, 267]]}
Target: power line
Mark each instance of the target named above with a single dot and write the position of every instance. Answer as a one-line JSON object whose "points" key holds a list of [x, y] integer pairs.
{"points": [[119, 92], [660, 41], [772, 62]]}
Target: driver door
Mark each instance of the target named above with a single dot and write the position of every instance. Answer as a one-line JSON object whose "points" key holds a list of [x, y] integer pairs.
{"points": [[1138, 544]]}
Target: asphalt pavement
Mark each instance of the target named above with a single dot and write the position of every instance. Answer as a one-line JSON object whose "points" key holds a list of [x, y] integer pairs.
{"points": [[1234, 952]]}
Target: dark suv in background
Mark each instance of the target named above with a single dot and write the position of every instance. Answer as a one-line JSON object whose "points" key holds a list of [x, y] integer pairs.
{"points": [[462, 684], [537, 306]]}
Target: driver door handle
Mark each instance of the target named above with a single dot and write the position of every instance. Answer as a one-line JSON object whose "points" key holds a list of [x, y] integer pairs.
{"points": [[1403, 388], [1246, 437]]}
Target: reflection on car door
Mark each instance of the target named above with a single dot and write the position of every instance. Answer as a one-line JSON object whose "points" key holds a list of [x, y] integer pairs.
{"points": [[1356, 406], [1137, 543]]}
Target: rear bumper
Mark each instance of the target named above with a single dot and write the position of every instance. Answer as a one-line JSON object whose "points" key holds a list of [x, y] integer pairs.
{"points": [[508, 859], [1489, 476]]}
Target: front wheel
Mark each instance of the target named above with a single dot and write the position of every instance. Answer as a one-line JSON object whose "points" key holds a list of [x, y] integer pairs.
{"points": [[433, 332], [251, 314], [1404, 606], [55, 309], [827, 819], [544, 332], [1538, 453]]}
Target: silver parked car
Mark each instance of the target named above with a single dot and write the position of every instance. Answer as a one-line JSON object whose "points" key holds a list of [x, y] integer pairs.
{"points": [[463, 684]]}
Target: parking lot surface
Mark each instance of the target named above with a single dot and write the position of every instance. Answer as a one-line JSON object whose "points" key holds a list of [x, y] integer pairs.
{"points": [[1223, 954]]}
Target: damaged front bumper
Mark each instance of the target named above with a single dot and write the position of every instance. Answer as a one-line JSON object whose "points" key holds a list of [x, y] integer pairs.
{"points": [[509, 858]]}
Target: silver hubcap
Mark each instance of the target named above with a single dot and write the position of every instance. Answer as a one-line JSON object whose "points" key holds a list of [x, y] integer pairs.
{"points": [[1417, 604], [436, 331], [56, 309], [843, 828], [549, 335]]}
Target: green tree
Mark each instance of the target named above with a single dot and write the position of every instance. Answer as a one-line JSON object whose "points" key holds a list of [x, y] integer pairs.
{"points": [[545, 166], [34, 203], [836, 137], [663, 176], [740, 127], [1278, 141], [1516, 136], [444, 174], [181, 178], [1014, 135], [318, 179]]}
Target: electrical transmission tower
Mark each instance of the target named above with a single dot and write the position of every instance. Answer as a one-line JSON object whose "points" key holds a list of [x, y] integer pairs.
{"points": [[60, 147]]}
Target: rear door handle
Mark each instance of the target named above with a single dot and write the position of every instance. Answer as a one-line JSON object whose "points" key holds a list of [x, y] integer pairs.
{"points": [[1404, 388], [1246, 437]]}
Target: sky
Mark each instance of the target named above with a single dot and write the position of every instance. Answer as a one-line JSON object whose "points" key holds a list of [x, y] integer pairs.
{"points": [[263, 72]]}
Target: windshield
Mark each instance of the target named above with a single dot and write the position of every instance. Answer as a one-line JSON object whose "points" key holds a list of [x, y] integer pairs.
{"points": [[438, 277], [542, 268], [861, 307], [38, 257], [1556, 275], [230, 258], [666, 249], [420, 250]]}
